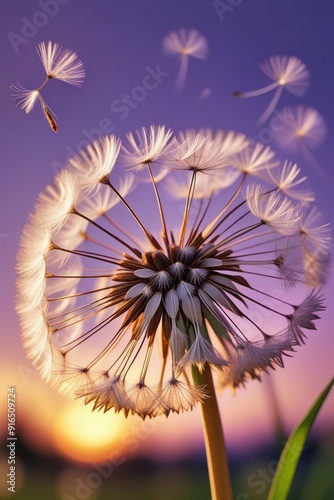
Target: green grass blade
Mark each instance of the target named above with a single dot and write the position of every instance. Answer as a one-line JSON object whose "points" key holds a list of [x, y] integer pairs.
{"points": [[292, 450]]}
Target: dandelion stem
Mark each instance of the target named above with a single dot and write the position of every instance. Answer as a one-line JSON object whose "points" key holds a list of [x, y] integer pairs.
{"points": [[187, 207], [254, 93], [161, 212], [272, 105], [199, 219], [306, 153], [131, 237], [129, 247], [181, 77], [214, 225], [220, 483], [43, 84], [149, 236]]}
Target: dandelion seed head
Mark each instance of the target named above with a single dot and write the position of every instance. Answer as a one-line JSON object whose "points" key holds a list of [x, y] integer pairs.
{"points": [[118, 315]]}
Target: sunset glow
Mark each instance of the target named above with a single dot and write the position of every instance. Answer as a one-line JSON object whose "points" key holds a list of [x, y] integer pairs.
{"points": [[84, 436]]}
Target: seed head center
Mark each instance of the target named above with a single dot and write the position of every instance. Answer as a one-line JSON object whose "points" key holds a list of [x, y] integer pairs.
{"points": [[169, 270]]}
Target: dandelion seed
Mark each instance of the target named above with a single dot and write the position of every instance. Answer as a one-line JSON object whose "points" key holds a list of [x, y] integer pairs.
{"points": [[58, 64], [62, 64], [287, 72], [94, 165], [287, 182], [177, 396], [121, 316], [272, 209], [206, 185], [26, 98], [301, 130], [255, 160], [249, 359], [204, 151], [304, 315], [301, 124], [315, 231], [316, 267], [50, 117], [185, 43], [147, 146], [289, 262]]}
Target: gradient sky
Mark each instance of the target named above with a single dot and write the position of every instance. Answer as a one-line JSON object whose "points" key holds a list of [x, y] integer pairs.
{"points": [[119, 42]]}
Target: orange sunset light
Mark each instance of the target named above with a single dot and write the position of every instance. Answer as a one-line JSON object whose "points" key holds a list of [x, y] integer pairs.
{"points": [[86, 436]]}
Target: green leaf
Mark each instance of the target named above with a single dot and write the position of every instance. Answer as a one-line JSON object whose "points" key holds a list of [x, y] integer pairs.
{"points": [[292, 450]]}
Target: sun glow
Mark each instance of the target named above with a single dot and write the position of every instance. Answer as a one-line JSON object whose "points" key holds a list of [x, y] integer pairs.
{"points": [[84, 436]]}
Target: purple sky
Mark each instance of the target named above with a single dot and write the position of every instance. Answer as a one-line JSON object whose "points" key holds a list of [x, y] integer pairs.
{"points": [[119, 43]]}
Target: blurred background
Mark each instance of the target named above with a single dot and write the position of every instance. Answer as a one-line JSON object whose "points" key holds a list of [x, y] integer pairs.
{"points": [[63, 450]]}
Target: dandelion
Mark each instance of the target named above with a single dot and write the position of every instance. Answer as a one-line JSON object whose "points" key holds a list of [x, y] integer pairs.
{"points": [[159, 288], [301, 130], [287, 72], [58, 63], [185, 43], [134, 318]]}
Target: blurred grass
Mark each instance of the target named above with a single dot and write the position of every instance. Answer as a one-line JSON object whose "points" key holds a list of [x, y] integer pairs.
{"points": [[142, 481], [48, 478]]}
